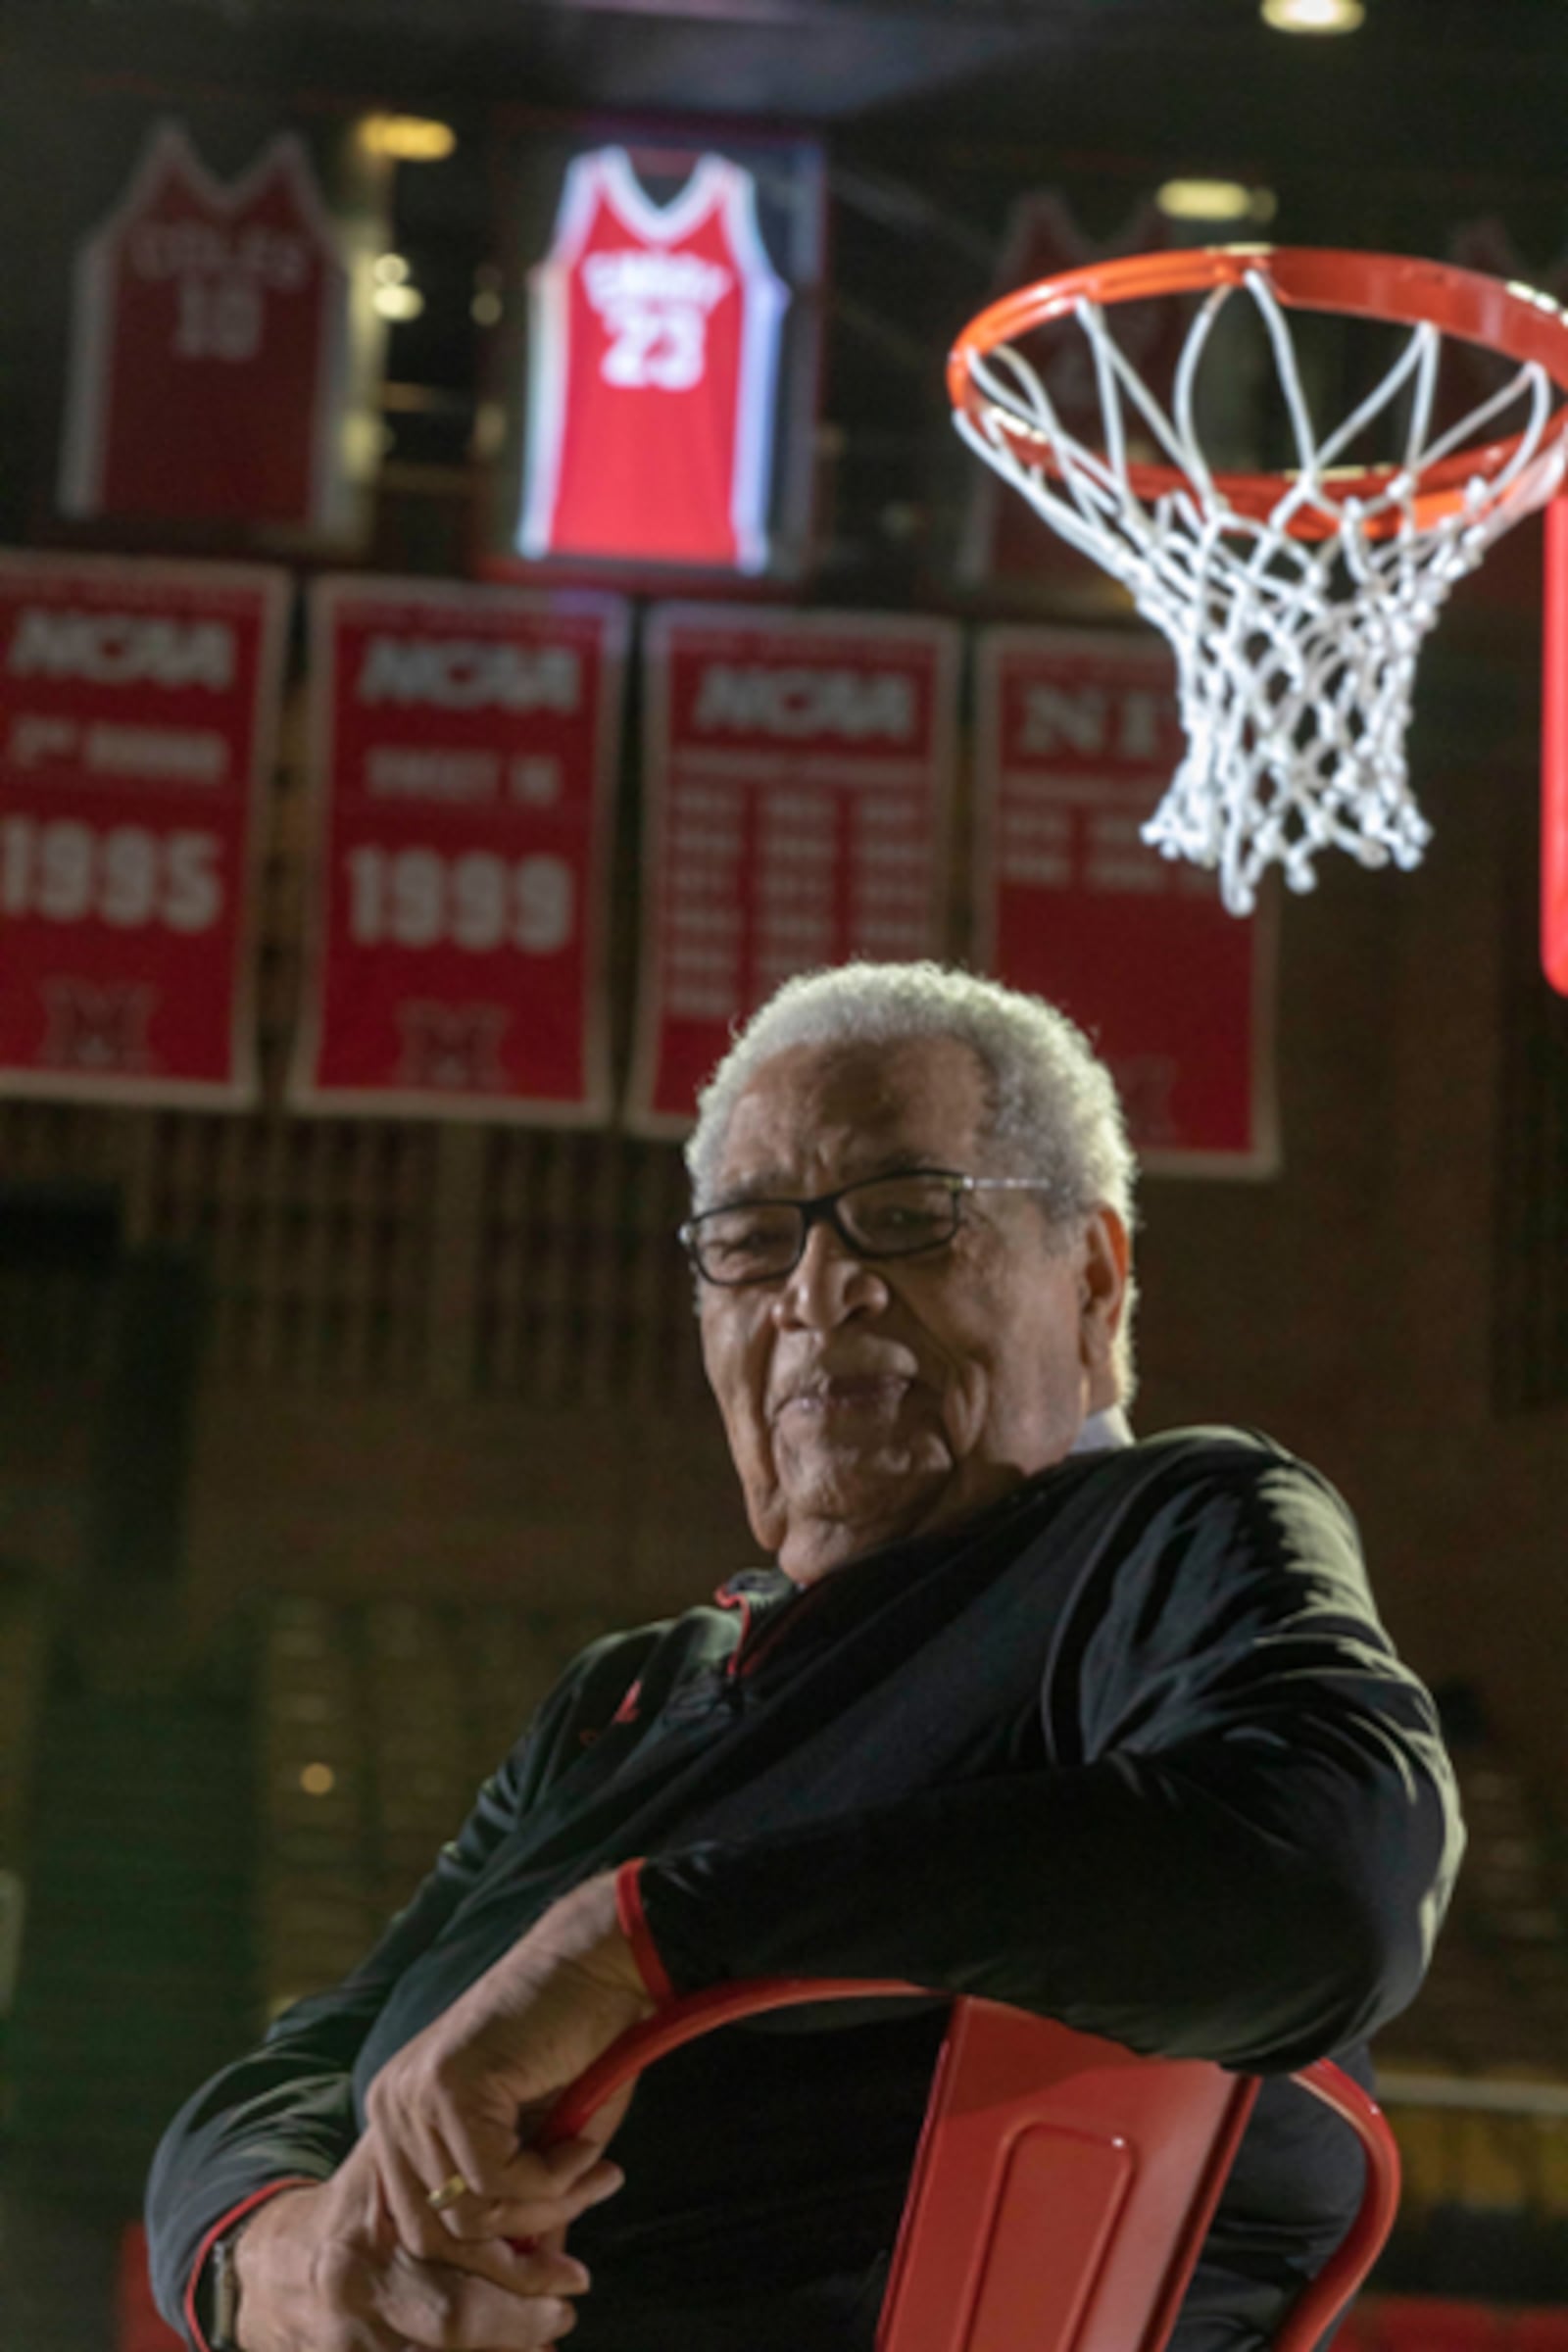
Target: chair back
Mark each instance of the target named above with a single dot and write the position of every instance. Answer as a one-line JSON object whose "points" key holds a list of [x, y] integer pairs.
{"points": [[1063, 2185], [1060, 2193]]}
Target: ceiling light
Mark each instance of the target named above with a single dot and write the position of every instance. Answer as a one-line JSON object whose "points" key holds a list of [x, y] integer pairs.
{"points": [[408, 138], [1314, 16], [398, 303], [1215, 200]]}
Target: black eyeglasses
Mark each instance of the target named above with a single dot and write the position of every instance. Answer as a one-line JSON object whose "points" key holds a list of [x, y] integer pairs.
{"points": [[879, 1216]]}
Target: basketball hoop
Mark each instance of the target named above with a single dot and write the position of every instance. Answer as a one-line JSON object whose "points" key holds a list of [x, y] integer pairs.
{"points": [[1296, 602]]}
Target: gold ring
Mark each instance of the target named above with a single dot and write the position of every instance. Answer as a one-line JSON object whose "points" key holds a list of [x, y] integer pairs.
{"points": [[450, 2190]]}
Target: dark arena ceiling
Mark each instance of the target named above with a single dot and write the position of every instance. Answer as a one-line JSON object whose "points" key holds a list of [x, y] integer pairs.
{"points": [[1472, 88]]}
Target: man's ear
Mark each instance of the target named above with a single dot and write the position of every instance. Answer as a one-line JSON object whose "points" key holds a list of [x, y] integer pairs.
{"points": [[1104, 1268]]}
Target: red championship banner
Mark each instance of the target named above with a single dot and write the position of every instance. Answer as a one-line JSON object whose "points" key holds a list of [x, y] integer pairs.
{"points": [[1077, 737], [464, 751], [138, 707], [208, 348], [797, 774]]}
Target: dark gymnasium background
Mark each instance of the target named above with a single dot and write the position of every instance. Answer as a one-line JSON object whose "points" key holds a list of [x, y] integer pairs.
{"points": [[401, 789]]}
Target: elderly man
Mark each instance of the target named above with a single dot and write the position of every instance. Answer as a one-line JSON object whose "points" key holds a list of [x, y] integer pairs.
{"points": [[1109, 1730]]}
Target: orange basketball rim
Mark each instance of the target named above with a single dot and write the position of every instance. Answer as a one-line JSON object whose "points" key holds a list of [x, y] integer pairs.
{"points": [[1296, 600]]}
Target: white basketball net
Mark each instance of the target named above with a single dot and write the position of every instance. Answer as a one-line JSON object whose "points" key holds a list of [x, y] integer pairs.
{"points": [[1295, 657]]}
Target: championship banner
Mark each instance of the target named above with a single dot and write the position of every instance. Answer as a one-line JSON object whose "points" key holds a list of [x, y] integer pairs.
{"points": [[464, 747], [1077, 735], [210, 364], [138, 706], [797, 769]]}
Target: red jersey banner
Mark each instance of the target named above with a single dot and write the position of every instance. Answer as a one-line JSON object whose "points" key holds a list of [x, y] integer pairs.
{"points": [[796, 772], [463, 748], [208, 373], [1077, 736], [654, 362], [137, 720], [655, 371]]}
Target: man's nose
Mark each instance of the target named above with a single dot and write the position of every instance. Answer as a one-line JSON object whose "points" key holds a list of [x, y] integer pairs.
{"points": [[829, 1282]]}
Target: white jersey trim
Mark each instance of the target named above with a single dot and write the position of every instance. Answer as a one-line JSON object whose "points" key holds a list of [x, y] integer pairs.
{"points": [[549, 307], [766, 298]]}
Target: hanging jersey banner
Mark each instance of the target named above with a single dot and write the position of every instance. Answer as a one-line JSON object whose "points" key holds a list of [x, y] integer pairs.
{"points": [[463, 744], [653, 372], [652, 355], [209, 347], [138, 706], [796, 772], [1077, 733]]}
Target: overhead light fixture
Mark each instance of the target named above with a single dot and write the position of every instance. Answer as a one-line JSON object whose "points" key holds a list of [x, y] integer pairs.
{"points": [[397, 302], [1217, 200], [408, 138], [1314, 16]]}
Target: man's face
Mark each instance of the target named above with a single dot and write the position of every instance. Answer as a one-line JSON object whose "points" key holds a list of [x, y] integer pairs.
{"points": [[872, 1398]]}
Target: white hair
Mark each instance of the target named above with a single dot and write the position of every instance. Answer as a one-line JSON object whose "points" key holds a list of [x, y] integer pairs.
{"points": [[1054, 1107]]}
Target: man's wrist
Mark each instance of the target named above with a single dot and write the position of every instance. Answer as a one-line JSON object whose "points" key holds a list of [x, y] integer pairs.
{"points": [[588, 1931], [219, 2299], [212, 2297], [643, 1953]]}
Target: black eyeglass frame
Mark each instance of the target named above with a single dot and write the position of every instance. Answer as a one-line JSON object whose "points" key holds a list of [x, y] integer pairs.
{"points": [[822, 1209]]}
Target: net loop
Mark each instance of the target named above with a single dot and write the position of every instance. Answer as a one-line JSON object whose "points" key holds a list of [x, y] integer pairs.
{"points": [[1296, 629]]}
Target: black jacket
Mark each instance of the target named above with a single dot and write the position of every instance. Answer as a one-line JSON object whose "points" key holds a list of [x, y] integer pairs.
{"points": [[1131, 1749]]}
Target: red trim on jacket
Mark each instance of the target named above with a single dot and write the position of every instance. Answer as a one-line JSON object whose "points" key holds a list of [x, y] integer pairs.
{"points": [[741, 1601], [634, 1927], [220, 2229]]}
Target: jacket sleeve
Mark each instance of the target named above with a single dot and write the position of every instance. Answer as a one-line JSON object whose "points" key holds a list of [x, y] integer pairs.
{"points": [[285, 2111], [1239, 1843]]}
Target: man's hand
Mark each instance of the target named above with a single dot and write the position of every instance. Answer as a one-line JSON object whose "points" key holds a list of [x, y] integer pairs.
{"points": [[456, 2102], [365, 2263], [321, 2270]]}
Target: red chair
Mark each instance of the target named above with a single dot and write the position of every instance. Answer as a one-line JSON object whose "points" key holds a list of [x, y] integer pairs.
{"points": [[1440, 2324], [1358, 2330], [1542, 2330], [1039, 2137]]}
